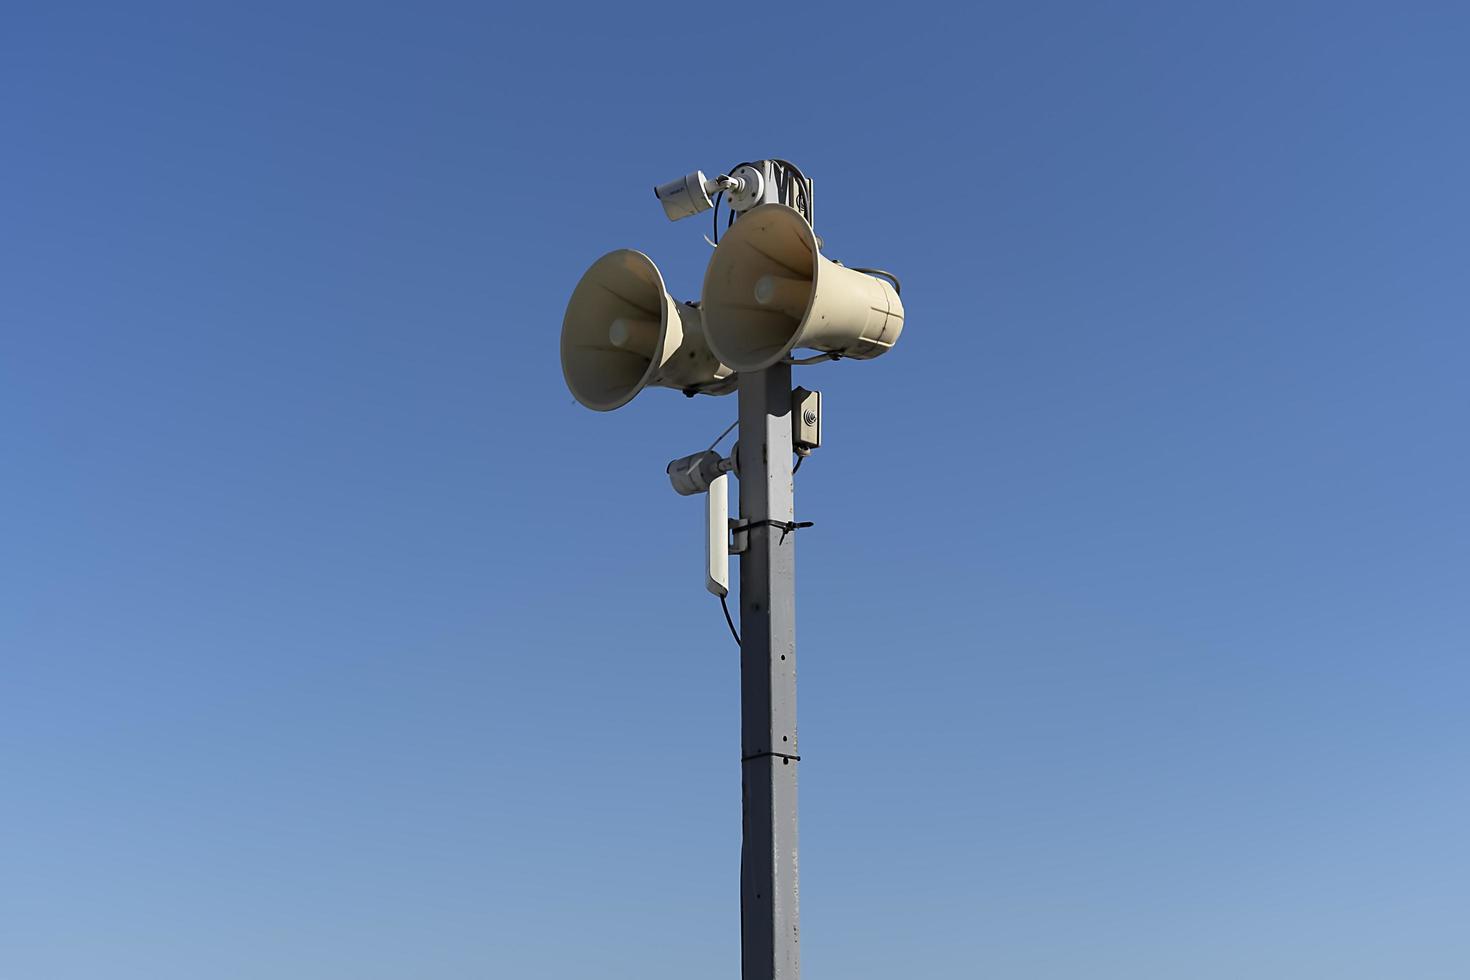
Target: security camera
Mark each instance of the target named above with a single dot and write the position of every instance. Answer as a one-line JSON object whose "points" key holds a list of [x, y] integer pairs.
{"points": [[694, 474], [690, 194], [708, 473]]}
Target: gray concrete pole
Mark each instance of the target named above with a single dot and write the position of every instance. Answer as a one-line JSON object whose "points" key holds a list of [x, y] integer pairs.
{"points": [[770, 933], [770, 927]]}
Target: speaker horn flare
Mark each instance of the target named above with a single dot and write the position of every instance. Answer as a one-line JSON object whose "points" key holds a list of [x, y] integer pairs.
{"points": [[623, 332], [769, 290]]}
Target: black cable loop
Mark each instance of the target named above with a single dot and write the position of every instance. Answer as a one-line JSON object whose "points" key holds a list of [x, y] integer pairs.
{"points": [[897, 287]]}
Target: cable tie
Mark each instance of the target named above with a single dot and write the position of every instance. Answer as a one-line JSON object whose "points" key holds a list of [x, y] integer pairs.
{"points": [[773, 755], [786, 527]]}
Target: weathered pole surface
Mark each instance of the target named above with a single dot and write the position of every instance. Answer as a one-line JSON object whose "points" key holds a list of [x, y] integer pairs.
{"points": [[770, 932]]}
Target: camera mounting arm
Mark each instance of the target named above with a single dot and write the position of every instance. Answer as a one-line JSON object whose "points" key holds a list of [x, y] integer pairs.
{"points": [[691, 194]]}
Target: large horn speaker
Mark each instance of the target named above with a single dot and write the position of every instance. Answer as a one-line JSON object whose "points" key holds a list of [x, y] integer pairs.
{"points": [[769, 290], [623, 332]]}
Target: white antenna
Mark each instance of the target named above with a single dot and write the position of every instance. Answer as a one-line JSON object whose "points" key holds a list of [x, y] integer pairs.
{"points": [[717, 536]]}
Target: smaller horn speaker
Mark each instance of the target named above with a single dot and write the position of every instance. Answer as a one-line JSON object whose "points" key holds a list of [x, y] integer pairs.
{"points": [[769, 290], [623, 332]]}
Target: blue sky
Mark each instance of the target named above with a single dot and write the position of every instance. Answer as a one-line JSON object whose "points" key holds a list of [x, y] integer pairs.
{"points": [[338, 641]]}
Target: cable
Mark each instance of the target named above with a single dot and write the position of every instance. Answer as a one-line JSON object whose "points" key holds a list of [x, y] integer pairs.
{"points": [[793, 188], [790, 166], [722, 435], [726, 606], [803, 184], [799, 460], [897, 288]]}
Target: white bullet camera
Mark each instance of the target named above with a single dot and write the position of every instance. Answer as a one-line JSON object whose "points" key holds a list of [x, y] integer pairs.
{"points": [[694, 474], [690, 194]]}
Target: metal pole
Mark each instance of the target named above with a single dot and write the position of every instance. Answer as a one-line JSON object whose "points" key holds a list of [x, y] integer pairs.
{"points": [[770, 933]]}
